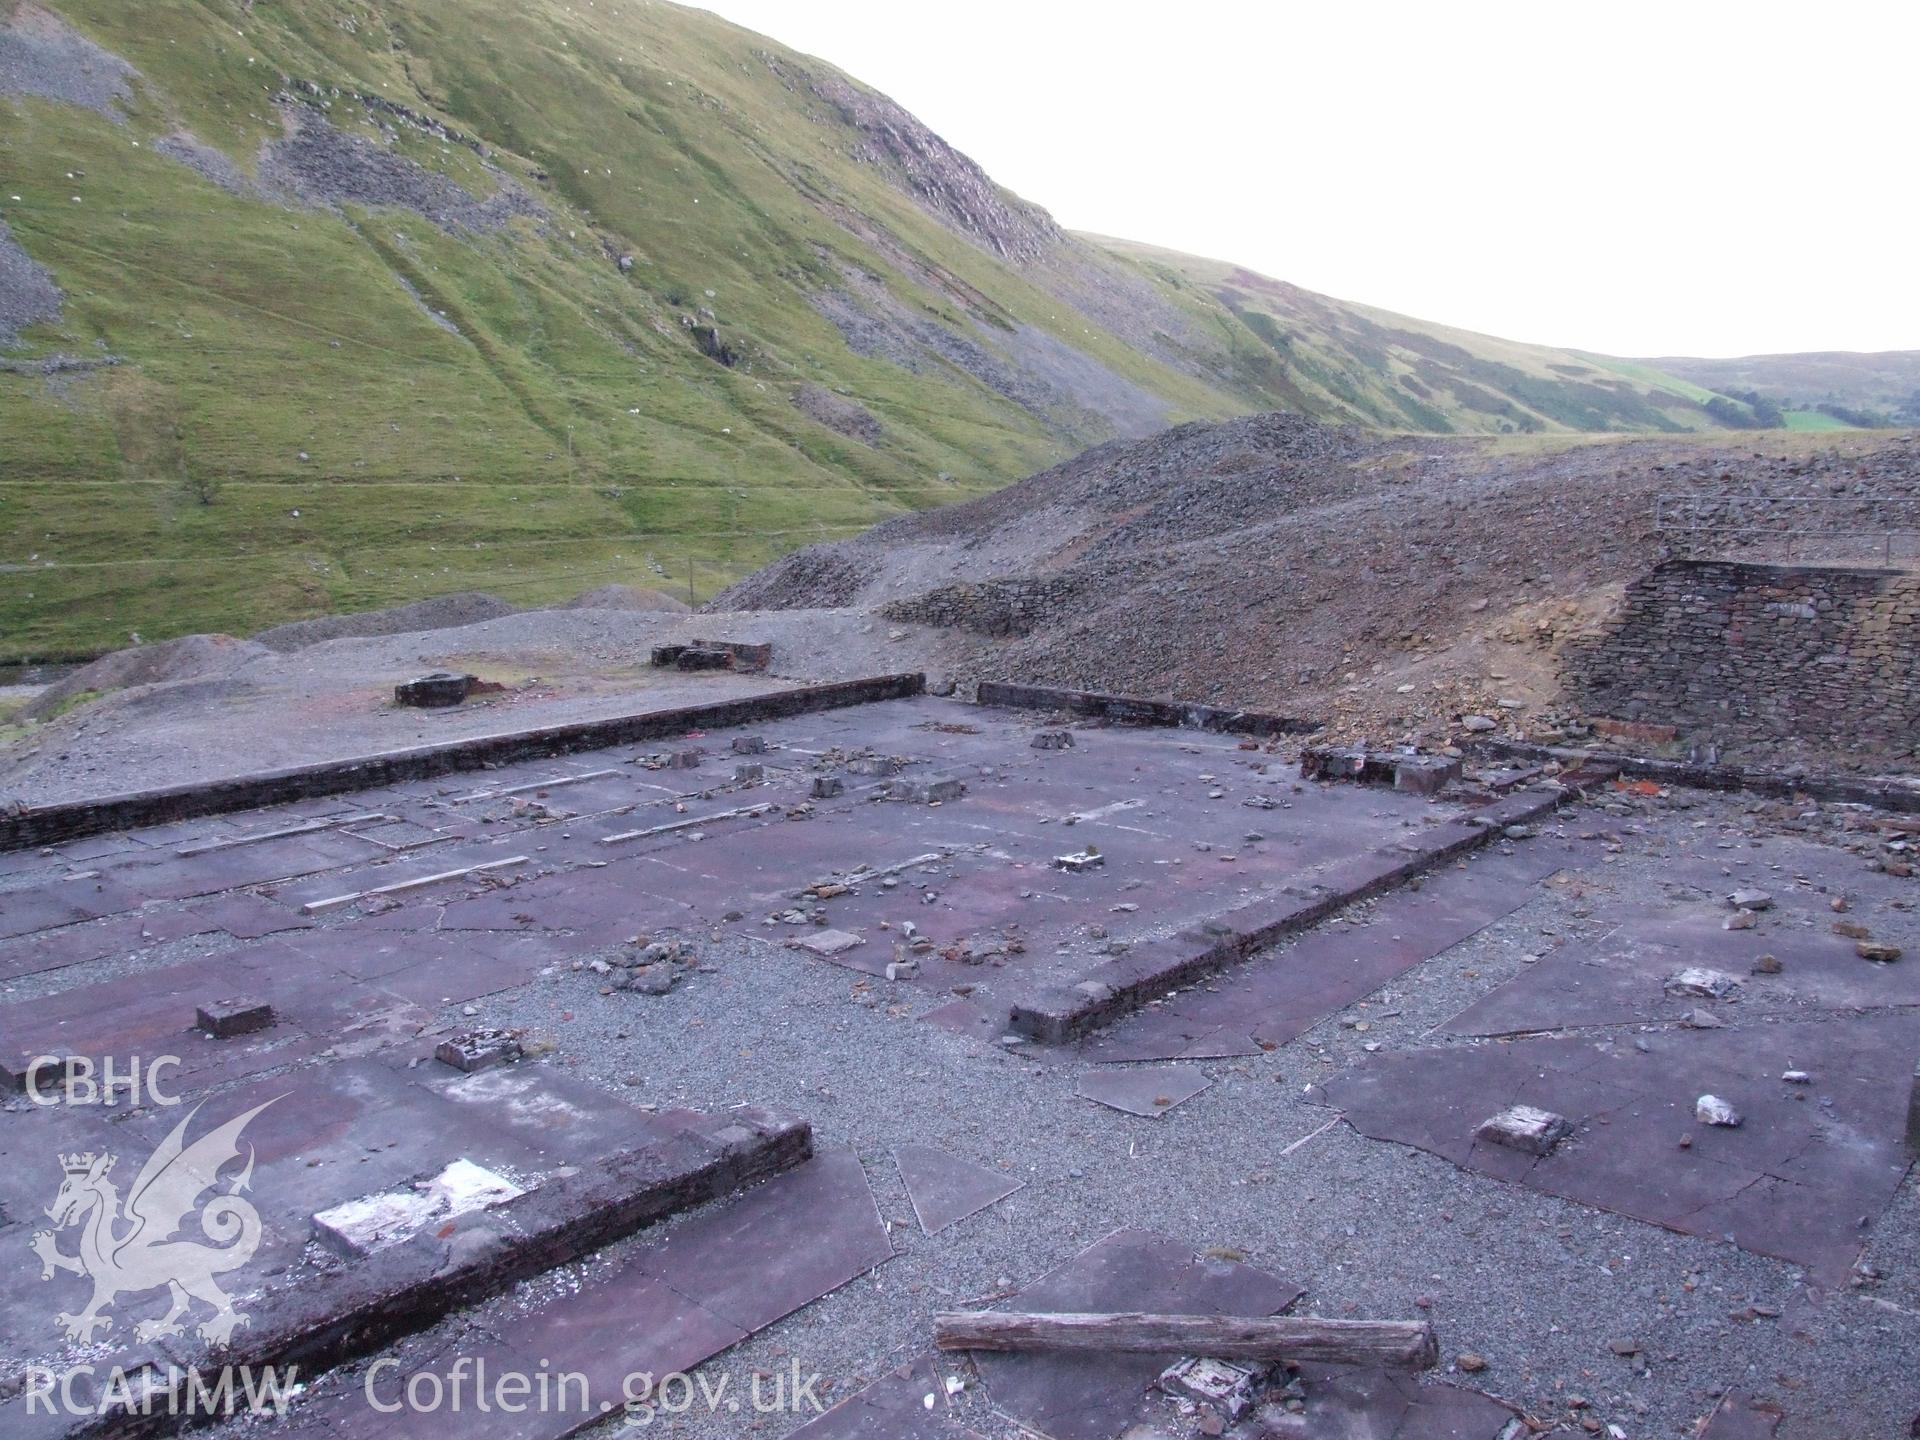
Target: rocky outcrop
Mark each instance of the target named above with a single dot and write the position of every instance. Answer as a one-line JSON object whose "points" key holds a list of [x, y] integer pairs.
{"points": [[839, 414], [321, 165], [944, 182]]}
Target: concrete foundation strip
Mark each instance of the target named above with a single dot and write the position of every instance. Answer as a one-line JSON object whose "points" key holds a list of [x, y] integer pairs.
{"points": [[315, 907], [285, 832], [691, 822], [1064, 1013], [531, 786]]}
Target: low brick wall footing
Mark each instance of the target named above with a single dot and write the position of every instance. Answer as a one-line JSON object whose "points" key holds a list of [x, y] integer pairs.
{"points": [[1147, 972], [338, 1316], [51, 824], [1901, 796], [1132, 710]]}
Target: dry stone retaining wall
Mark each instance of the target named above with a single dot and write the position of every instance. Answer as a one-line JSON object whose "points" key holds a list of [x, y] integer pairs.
{"points": [[1726, 650]]}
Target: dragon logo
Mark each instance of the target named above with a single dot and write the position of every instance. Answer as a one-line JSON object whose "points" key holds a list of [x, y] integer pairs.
{"points": [[133, 1250]]}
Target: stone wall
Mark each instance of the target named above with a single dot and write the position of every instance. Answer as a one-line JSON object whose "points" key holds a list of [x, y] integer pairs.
{"points": [[1000, 608], [1732, 652]]}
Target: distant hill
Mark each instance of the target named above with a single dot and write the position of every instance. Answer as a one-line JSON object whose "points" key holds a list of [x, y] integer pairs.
{"points": [[1333, 359], [323, 305], [1887, 382]]}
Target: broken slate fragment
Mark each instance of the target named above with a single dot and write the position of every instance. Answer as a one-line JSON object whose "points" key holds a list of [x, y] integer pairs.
{"points": [[825, 787], [1053, 740], [829, 943], [1878, 951], [1712, 1110], [1144, 1092], [945, 1190], [1750, 900], [1079, 862], [1525, 1128], [1695, 982]]}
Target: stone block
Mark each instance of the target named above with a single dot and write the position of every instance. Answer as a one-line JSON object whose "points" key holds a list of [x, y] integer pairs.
{"points": [[930, 791], [236, 1015], [436, 691], [472, 1050], [1424, 774], [1525, 1128]]}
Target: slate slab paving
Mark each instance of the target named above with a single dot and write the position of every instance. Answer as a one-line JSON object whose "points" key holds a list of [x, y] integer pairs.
{"points": [[896, 1407], [1791, 1181], [1282, 994], [1738, 1417], [660, 1307], [1149, 1091], [945, 1189], [1620, 978]]}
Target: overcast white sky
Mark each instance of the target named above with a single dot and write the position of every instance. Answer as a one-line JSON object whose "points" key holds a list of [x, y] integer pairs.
{"points": [[1690, 177]]}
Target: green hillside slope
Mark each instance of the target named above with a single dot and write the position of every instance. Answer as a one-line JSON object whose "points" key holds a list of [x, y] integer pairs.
{"points": [[324, 304], [1335, 359]]}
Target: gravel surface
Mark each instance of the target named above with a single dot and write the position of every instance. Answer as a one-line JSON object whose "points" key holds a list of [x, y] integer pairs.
{"points": [[442, 612], [1537, 1286], [27, 292], [334, 699], [43, 56]]}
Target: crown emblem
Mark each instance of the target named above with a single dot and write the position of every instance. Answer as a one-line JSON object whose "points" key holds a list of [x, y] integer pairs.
{"points": [[79, 1164]]}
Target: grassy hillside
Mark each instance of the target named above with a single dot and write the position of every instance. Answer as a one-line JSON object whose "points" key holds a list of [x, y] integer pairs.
{"points": [[325, 304], [1335, 359]]}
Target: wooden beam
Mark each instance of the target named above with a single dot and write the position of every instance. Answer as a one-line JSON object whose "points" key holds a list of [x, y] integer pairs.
{"points": [[1392, 1344]]}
